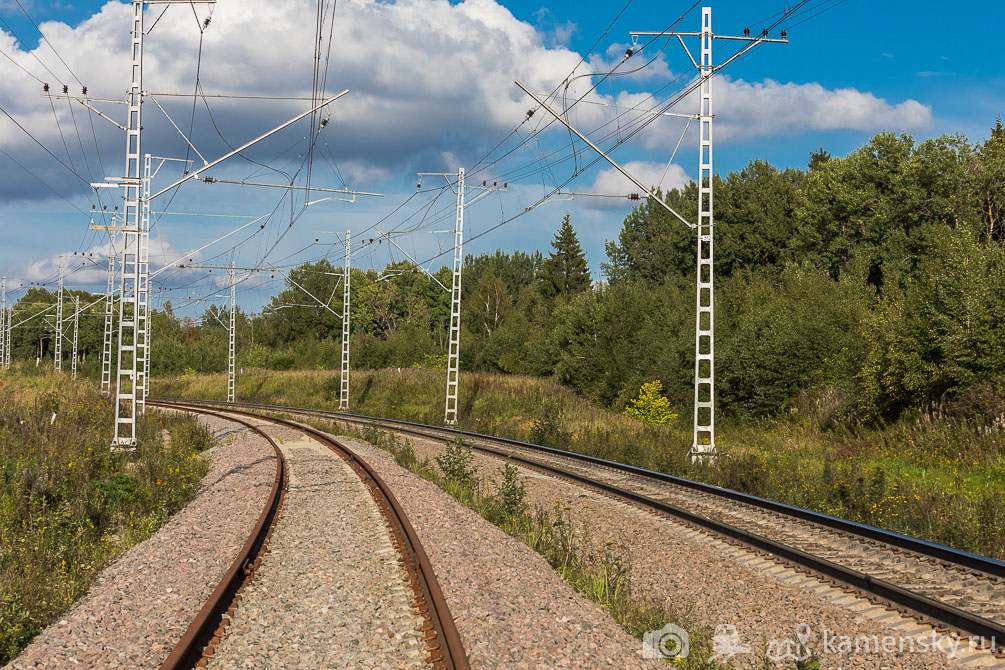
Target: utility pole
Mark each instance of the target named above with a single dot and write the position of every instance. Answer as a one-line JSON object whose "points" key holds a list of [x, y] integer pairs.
{"points": [[343, 402], [454, 341], [6, 353], [126, 377], [703, 444], [143, 292], [230, 354], [454, 345], [3, 319], [704, 366], [106, 349], [58, 349], [76, 328]]}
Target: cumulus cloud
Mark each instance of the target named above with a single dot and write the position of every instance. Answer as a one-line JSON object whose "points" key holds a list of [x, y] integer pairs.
{"points": [[611, 182], [431, 86], [744, 110]]}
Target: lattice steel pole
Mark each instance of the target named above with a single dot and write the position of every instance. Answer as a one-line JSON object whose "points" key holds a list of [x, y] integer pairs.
{"points": [[704, 336], [106, 349], [704, 343], [343, 402], [57, 354], [6, 353], [3, 320], [453, 348], [76, 328], [143, 291], [126, 382], [233, 320]]}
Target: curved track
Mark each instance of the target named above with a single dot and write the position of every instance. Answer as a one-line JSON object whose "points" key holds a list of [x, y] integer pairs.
{"points": [[947, 587], [443, 643]]}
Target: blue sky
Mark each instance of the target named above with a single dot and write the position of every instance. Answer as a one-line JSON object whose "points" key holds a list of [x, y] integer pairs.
{"points": [[431, 89]]}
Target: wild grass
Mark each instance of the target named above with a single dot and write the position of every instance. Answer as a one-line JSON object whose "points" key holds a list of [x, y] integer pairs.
{"points": [[941, 478], [68, 504]]}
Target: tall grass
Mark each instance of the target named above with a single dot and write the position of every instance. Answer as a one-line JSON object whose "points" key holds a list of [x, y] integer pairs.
{"points": [[68, 504], [936, 477]]}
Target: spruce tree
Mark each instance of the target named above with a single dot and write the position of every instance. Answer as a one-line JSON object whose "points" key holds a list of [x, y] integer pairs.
{"points": [[565, 272]]}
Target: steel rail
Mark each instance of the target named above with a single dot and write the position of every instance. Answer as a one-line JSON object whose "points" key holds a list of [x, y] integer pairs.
{"points": [[206, 625], [941, 612], [416, 561]]}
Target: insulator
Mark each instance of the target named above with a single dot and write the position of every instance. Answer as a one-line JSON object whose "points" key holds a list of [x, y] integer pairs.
{"points": [[530, 113], [484, 183], [746, 32], [66, 89], [783, 34], [764, 33], [495, 183], [45, 87], [83, 91], [205, 23], [628, 54], [505, 185]]}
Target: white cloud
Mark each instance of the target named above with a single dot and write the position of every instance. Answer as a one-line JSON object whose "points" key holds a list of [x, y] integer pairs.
{"points": [[745, 110], [611, 182], [431, 85]]}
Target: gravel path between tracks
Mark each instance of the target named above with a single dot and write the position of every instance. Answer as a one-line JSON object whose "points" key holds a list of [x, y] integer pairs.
{"points": [[511, 609], [143, 602], [717, 584], [330, 592]]}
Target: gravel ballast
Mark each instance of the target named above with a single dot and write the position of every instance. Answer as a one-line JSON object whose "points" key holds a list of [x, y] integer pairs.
{"points": [[511, 609], [330, 591], [737, 596], [141, 604]]}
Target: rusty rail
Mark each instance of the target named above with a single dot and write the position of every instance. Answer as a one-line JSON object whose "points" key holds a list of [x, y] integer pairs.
{"points": [[208, 623], [444, 646]]}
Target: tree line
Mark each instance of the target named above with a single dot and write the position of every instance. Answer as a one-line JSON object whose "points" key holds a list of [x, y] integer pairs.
{"points": [[856, 288]]}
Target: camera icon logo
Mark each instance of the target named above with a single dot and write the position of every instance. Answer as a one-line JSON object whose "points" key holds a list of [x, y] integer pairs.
{"points": [[671, 641]]}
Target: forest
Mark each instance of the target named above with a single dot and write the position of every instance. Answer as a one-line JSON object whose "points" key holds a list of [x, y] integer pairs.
{"points": [[852, 291]]}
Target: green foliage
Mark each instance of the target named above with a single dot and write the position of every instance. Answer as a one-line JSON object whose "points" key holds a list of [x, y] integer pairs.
{"points": [[548, 429], [68, 504], [650, 406], [512, 491], [458, 466], [565, 271]]}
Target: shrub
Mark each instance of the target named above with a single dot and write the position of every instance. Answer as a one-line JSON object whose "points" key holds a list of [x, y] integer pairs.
{"points": [[650, 406], [457, 465]]}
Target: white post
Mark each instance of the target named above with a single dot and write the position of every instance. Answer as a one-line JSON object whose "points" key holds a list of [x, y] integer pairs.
{"points": [[230, 353], [453, 348], [76, 327], [343, 403], [106, 349], [57, 354], [126, 384], [704, 339]]}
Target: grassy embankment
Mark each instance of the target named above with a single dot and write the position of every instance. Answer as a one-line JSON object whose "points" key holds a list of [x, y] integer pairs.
{"points": [[68, 504], [940, 479]]}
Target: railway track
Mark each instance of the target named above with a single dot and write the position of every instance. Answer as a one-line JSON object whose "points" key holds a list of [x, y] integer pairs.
{"points": [[948, 588], [439, 637]]}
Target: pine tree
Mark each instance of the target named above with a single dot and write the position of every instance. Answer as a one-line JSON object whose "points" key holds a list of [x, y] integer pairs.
{"points": [[565, 271]]}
